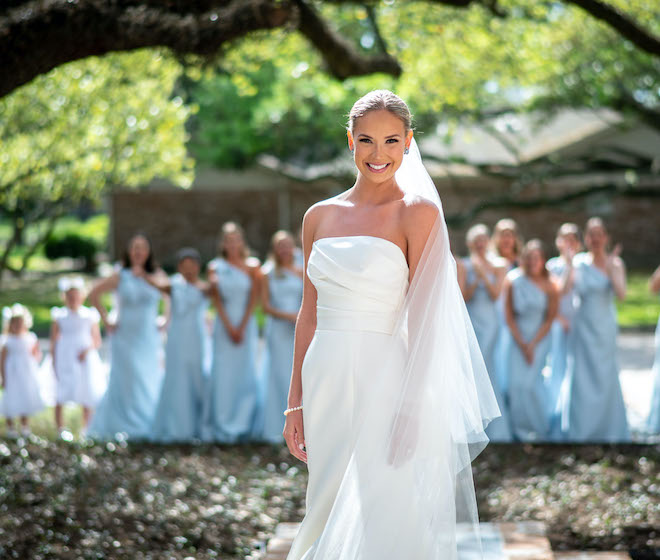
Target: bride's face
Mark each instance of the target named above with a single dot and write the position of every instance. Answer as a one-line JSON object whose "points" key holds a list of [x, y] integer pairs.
{"points": [[378, 140]]}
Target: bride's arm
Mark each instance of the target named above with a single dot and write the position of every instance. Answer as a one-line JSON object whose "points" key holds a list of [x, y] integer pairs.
{"points": [[420, 224], [294, 433]]}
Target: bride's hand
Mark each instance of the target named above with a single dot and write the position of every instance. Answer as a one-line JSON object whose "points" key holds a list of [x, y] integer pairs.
{"points": [[403, 439], [294, 435]]}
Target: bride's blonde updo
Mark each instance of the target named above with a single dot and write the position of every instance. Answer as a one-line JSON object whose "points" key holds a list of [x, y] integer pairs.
{"points": [[378, 100]]}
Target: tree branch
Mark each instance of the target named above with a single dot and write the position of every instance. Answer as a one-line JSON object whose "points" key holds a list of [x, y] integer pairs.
{"points": [[37, 36], [371, 15], [622, 23], [342, 59]]}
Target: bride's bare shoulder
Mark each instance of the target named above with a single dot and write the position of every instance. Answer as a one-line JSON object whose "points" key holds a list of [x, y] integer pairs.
{"points": [[419, 212], [320, 210]]}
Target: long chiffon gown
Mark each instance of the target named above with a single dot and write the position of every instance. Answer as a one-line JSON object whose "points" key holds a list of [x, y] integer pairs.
{"points": [[285, 293], [136, 371], [486, 323], [503, 347], [231, 409], [527, 395], [556, 386], [596, 409], [653, 421], [180, 407], [361, 283]]}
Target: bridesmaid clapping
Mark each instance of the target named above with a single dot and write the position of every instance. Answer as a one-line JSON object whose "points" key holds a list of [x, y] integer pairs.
{"points": [[507, 243], [480, 279], [531, 306], [596, 410], [232, 406], [281, 294]]}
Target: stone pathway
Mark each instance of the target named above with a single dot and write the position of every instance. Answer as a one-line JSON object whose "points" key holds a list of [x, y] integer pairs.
{"points": [[501, 541]]}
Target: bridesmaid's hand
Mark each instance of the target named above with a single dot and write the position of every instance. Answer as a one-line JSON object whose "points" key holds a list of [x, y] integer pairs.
{"points": [[82, 355], [236, 335], [613, 257], [110, 326], [479, 268], [528, 352], [294, 435]]}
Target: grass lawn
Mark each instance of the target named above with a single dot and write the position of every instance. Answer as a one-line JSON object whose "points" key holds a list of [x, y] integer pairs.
{"points": [[640, 308]]}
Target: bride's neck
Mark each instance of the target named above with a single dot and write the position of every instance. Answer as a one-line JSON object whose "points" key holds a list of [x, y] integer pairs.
{"points": [[368, 192]]}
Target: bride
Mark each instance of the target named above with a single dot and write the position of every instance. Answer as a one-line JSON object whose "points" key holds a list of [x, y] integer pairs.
{"points": [[396, 394]]}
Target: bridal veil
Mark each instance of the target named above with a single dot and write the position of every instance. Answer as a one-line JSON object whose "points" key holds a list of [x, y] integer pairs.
{"points": [[407, 492]]}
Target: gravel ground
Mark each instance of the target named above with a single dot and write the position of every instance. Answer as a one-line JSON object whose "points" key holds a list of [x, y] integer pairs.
{"points": [[84, 500]]}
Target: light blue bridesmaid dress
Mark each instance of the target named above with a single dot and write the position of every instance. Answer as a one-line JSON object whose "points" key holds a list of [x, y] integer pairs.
{"points": [[136, 373], [486, 323], [285, 292], [556, 386], [232, 405], [503, 346], [596, 412], [180, 408], [527, 391], [653, 421]]}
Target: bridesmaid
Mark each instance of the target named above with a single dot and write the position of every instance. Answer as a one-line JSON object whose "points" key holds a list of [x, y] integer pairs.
{"points": [[596, 412], [281, 294], [136, 373], [480, 279], [561, 269], [232, 405], [507, 244], [653, 422], [531, 300], [178, 414]]}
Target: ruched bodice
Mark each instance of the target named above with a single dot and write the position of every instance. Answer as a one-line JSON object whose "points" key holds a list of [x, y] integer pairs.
{"points": [[234, 285], [530, 304], [361, 282]]}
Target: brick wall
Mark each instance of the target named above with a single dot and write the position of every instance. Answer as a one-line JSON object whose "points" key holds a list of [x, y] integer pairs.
{"points": [[175, 218]]}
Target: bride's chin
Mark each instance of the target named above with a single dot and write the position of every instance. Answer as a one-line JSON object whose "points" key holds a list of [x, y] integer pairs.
{"points": [[377, 177]]}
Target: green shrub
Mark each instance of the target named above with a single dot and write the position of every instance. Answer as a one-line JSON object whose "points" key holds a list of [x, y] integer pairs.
{"points": [[74, 246]]}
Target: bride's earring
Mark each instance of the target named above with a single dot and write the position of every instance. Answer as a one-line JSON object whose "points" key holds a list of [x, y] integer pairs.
{"points": [[407, 150]]}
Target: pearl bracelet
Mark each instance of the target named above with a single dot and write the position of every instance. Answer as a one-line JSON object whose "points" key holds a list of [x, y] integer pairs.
{"points": [[289, 410]]}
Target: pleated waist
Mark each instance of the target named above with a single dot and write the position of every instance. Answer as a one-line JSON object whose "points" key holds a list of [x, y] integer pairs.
{"points": [[351, 320]]}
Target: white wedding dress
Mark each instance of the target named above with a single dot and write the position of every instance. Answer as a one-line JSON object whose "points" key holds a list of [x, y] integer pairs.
{"points": [[396, 398], [361, 283]]}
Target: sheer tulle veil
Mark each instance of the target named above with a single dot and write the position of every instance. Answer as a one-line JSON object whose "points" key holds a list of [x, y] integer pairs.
{"points": [[408, 492]]}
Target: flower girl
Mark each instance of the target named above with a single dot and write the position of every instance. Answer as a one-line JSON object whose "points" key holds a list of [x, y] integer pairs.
{"points": [[75, 338], [19, 369]]}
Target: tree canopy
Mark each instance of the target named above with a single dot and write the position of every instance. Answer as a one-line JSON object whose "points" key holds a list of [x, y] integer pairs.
{"points": [[37, 36], [270, 93], [83, 126]]}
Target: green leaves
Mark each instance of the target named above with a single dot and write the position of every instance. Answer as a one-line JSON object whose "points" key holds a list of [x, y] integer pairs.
{"points": [[457, 63], [90, 124]]}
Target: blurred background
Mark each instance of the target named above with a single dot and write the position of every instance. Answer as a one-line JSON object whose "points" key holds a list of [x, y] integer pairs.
{"points": [[171, 118]]}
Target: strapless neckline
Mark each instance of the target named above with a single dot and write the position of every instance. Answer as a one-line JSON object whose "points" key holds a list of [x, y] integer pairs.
{"points": [[386, 242]]}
